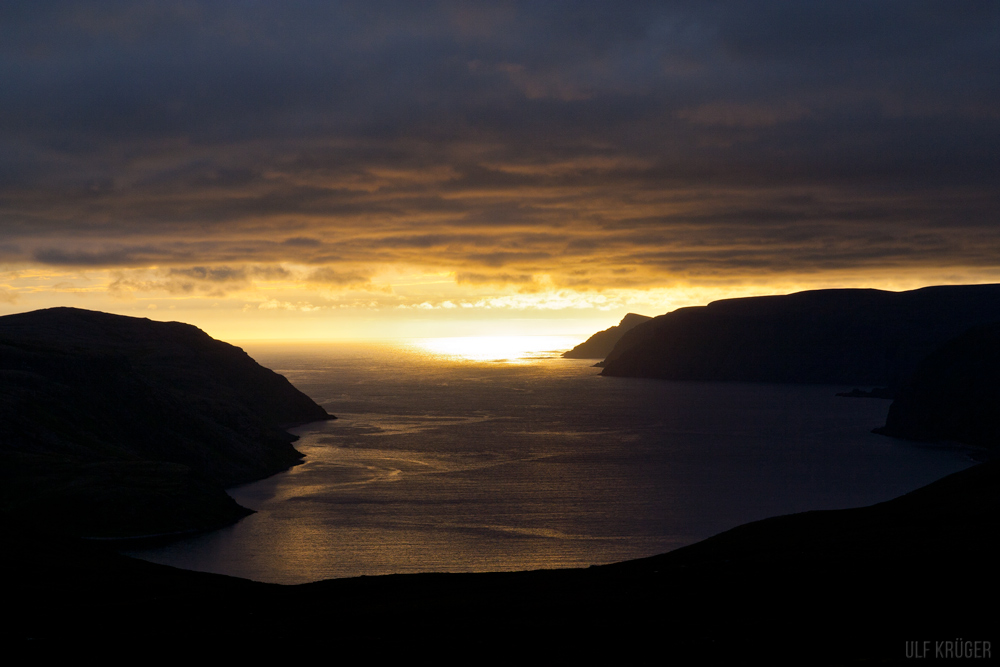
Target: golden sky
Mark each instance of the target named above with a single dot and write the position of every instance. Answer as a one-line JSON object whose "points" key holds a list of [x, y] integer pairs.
{"points": [[379, 169]]}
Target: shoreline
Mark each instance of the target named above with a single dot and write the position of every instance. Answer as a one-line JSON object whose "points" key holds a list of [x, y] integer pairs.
{"points": [[879, 458], [895, 559]]}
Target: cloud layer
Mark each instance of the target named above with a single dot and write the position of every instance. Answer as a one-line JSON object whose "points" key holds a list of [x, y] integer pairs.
{"points": [[574, 145]]}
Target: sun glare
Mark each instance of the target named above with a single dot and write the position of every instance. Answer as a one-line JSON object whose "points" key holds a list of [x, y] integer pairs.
{"points": [[507, 349]]}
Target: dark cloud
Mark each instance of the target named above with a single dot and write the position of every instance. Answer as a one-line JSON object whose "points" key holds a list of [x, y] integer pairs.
{"points": [[529, 137], [302, 242], [466, 278], [103, 258], [331, 277], [229, 274]]}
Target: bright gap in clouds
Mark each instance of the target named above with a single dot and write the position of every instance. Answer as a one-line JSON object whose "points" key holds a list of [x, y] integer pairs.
{"points": [[358, 170], [506, 349], [399, 305]]}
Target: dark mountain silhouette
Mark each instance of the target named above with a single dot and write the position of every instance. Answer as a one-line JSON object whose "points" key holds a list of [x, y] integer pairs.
{"points": [[601, 343], [850, 336], [954, 395], [117, 426]]}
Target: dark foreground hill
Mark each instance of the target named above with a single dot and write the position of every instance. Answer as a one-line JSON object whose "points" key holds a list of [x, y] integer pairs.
{"points": [[118, 426], [862, 337], [601, 343], [832, 587]]}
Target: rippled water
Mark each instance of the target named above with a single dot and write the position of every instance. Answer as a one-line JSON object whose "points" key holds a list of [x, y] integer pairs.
{"points": [[499, 455]]}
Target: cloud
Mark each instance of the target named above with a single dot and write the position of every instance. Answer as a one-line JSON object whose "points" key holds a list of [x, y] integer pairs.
{"points": [[466, 278], [302, 242], [216, 281], [215, 274], [332, 278], [214, 145], [742, 115], [103, 258], [274, 304]]}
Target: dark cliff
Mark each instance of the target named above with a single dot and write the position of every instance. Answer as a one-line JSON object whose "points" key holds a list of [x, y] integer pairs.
{"points": [[116, 425], [601, 343], [864, 337], [954, 395]]}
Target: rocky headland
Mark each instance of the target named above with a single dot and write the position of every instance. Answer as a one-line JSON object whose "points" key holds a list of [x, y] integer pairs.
{"points": [[117, 427], [844, 336], [601, 343]]}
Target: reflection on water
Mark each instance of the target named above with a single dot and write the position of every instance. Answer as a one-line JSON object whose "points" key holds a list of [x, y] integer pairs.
{"points": [[452, 461], [508, 349]]}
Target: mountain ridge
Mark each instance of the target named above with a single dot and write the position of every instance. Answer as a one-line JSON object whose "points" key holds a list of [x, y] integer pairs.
{"points": [[117, 426], [849, 336]]}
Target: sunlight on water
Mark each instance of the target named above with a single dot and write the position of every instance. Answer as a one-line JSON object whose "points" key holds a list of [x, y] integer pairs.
{"points": [[508, 349], [496, 454]]}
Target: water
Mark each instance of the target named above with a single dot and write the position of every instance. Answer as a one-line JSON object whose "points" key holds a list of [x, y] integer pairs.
{"points": [[452, 456]]}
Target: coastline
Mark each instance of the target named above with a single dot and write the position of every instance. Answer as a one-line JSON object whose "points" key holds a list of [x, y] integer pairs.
{"points": [[891, 560], [830, 579]]}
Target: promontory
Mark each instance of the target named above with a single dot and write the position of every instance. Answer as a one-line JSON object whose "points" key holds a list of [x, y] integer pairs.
{"points": [[114, 426], [837, 336]]}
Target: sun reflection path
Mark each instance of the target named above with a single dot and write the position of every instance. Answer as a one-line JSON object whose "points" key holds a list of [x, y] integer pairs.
{"points": [[506, 349]]}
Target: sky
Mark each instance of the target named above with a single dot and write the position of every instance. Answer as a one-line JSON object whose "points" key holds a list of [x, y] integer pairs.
{"points": [[380, 169]]}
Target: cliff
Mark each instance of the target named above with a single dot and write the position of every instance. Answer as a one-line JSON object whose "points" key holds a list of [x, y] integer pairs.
{"points": [[601, 343], [862, 337], [118, 426], [954, 395]]}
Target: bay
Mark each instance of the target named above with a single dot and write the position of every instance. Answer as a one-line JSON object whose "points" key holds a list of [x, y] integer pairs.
{"points": [[472, 455]]}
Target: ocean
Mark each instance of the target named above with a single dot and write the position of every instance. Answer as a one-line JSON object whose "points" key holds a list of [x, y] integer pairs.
{"points": [[474, 455]]}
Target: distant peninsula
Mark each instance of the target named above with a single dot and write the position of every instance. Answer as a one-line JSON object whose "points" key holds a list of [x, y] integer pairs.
{"points": [[601, 343], [120, 427], [842, 336]]}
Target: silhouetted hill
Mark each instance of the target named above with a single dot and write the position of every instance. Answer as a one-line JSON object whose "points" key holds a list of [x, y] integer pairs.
{"points": [[601, 343], [851, 336], [113, 425], [954, 393], [818, 588]]}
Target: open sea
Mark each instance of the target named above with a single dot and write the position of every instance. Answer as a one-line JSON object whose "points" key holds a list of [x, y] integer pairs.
{"points": [[472, 455]]}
